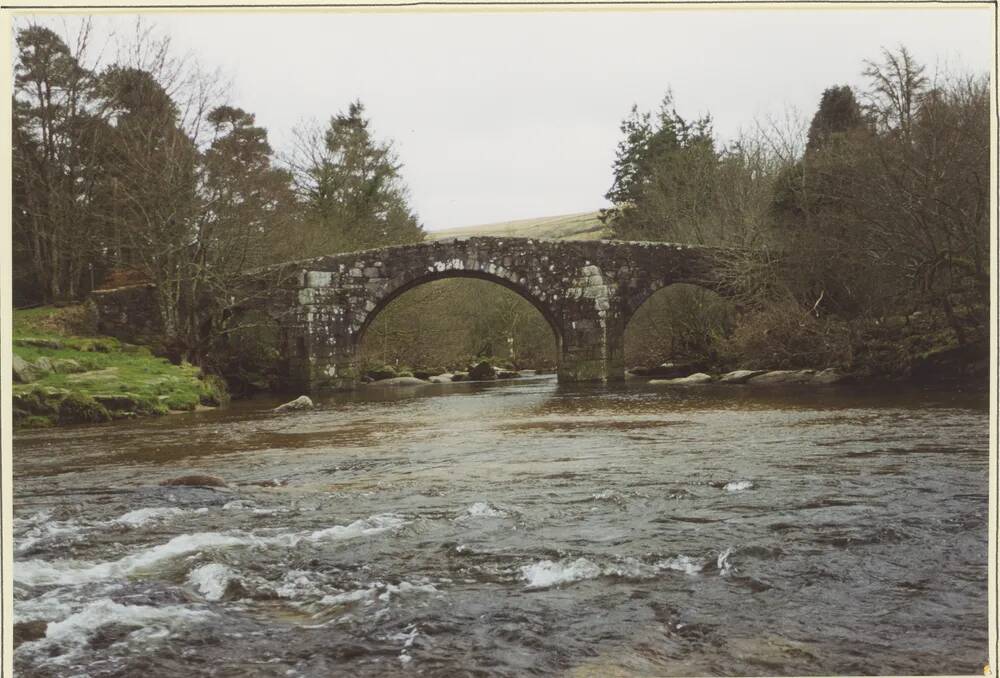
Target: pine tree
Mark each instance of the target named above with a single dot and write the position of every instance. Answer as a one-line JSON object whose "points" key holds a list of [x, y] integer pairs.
{"points": [[351, 186]]}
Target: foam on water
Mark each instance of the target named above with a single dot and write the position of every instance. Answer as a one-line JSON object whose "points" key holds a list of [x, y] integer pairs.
{"points": [[682, 563], [723, 564], [481, 509], [74, 632], [547, 573], [142, 516], [211, 580], [738, 486], [70, 572]]}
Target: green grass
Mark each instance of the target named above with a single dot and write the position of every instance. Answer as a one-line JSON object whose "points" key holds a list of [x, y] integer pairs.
{"points": [[580, 226], [128, 376]]}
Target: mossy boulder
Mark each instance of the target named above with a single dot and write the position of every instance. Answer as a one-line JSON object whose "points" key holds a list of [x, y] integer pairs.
{"points": [[24, 372], [77, 408], [384, 372], [37, 342], [66, 366]]}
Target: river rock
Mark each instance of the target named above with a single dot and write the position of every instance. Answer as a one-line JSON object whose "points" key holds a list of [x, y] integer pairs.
{"points": [[507, 374], [482, 372], [195, 480], [303, 402], [829, 376], [54, 344], [672, 370], [400, 381], [739, 376], [527, 373], [444, 378], [27, 631], [44, 365], [67, 366], [24, 372], [783, 377], [691, 379], [460, 376]]}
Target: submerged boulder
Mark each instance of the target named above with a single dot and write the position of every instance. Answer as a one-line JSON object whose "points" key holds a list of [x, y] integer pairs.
{"points": [[195, 480], [400, 381], [303, 402], [28, 631], [691, 379]]}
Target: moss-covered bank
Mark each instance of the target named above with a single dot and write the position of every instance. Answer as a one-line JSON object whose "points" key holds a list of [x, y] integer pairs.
{"points": [[65, 373]]}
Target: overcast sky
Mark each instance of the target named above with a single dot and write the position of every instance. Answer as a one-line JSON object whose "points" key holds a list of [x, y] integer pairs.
{"points": [[501, 116]]}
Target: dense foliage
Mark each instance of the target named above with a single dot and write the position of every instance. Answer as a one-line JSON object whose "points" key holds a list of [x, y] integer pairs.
{"points": [[140, 170], [875, 232]]}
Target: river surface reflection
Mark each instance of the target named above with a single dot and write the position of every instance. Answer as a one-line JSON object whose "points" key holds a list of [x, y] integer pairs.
{"points": [[511, 529]]}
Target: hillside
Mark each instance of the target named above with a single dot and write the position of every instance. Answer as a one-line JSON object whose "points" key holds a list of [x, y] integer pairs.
{"points": [[579, 226]]}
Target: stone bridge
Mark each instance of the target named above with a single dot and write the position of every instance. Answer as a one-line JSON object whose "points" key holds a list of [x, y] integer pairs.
{"points": [[586, 290]]}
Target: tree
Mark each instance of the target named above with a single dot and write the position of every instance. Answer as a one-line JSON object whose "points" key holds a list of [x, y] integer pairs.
{"points": [[896, 89], [838, 114], [57, 139], [351, 187], [664, 178]]}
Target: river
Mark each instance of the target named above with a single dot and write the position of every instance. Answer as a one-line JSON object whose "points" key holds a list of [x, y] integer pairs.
{"points": [[512, 529]]}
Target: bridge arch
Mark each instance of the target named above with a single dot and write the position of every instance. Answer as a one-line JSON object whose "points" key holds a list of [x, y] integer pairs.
{"points": [[501, 278], [679, 320]]}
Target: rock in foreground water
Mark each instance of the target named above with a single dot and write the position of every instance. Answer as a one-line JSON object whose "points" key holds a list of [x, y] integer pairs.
{"points": [[482, 372], [301, 403], [691, 379], [783, 377], [739, 376]]}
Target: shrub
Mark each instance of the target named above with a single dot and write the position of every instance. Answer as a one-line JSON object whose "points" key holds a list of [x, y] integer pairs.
{"points": [[786, 336], [214, 391]]}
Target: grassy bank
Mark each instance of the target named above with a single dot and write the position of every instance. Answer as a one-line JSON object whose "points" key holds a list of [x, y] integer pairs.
{"points": [[69, 374]]}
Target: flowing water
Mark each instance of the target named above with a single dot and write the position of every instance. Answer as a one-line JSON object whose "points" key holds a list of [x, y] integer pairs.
{"points": [[513, 529]]}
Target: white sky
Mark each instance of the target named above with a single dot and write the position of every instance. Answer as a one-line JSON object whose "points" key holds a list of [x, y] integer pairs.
{"points": [[501, 116]]}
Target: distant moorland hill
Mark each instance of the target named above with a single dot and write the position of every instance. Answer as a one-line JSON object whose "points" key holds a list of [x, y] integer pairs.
{"points": [[579, 226]]}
